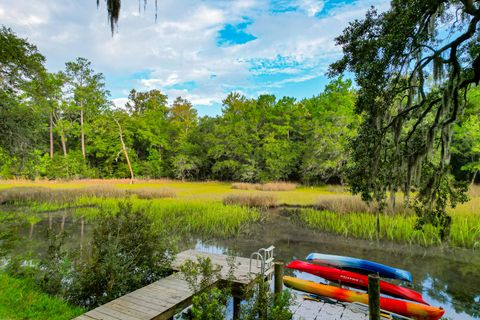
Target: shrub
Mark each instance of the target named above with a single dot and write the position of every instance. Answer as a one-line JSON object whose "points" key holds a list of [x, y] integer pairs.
{"points": [[125, 254], [251, 200]]}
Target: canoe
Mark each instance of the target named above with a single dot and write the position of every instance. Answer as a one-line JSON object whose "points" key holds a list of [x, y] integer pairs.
{"points": [[360, 264], [355, 280], [405, 308]]}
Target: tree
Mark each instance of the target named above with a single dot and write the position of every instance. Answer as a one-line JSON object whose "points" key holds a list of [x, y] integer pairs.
{"points": [[333, 123], [466, 136], [149, 123], [20, 64], [413, 65], [183, 119], [87, 90]]}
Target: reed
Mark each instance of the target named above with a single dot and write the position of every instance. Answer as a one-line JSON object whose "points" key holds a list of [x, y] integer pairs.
{"points": [[17, 195], [251, 200], [180, 217], [465, 231], [270, 186], [152, 193]]}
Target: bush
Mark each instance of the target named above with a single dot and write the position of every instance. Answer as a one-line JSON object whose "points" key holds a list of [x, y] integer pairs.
{"points": [[125, 253]]}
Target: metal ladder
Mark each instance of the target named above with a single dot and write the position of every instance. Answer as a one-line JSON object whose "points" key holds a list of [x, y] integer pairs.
{"points": [[264, 260]]}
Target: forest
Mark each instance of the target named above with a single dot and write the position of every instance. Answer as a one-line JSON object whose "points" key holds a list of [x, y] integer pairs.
{"points": [[64, 125]]}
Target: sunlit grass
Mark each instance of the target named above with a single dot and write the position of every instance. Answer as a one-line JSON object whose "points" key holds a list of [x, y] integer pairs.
{"points": [[465, 231], [211, 191], [19, 299]]}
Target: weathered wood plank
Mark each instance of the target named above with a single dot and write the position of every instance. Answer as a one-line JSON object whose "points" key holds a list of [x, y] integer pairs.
{"points": [[163, 298]]}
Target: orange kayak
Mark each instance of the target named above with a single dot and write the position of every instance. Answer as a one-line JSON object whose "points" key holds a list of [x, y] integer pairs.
{"points": [[405, 308]]}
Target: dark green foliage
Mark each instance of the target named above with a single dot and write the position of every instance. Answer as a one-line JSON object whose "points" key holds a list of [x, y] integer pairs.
{"points": [[125, 254], [10, 226], [54, 270], [209, 305], [263, 304], [200, 274], [412, 81]]}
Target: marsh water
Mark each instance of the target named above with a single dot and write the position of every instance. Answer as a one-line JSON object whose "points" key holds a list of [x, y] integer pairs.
{"points": [[446, 277]]}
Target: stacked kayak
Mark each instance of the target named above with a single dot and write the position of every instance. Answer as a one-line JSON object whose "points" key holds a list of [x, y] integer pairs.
{"points": [[409, 309], [355, 280], [360, 264], [418, 308]]}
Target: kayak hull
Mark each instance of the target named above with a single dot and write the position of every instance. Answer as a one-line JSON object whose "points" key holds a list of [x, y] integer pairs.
{"points": [[360, 264], [355, 279], [408, 309]]}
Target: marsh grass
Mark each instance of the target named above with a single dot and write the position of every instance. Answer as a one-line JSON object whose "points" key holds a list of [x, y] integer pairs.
{"points": [[270, 186], [354, 204], [180, 217], [152, 193], [61, 196], [465, 230], [251, 200]]}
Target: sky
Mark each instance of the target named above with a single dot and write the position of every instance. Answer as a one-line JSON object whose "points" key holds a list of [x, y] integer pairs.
{"points": [[198, 49]]}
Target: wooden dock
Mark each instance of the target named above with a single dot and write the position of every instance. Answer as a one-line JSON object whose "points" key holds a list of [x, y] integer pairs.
{"points": [[312, 310], [168, 296]]}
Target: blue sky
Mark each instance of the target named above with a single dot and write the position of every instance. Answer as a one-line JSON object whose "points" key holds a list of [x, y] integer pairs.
{"points": [[198, 49]]}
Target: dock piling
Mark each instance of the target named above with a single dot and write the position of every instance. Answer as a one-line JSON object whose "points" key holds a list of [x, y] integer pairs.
{"points": [[278, 272], [374, 296]]}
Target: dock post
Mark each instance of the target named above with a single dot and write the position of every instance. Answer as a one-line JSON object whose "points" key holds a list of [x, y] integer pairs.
{"points": [[236, 307], [374, 296], [278, 271]]}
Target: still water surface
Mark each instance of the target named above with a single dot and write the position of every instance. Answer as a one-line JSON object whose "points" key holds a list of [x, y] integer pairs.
{"points": [[446, 277]]}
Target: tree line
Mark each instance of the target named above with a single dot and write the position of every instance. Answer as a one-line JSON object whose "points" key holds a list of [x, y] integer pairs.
{"points": [[63, 125]]}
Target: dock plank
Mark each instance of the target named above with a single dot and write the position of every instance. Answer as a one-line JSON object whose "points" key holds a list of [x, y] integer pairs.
{"points": [[161, 299]]}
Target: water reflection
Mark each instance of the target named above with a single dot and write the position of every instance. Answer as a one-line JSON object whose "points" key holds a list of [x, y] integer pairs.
{"points": [[447, 278]]}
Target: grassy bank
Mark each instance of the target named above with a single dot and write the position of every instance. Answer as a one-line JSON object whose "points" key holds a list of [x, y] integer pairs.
{"points": [[19, 300], [465, 230]]}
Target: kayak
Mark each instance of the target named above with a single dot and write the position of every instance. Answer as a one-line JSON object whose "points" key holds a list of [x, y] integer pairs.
{"points": [[361, 264], [405, 308], [355, 279]]}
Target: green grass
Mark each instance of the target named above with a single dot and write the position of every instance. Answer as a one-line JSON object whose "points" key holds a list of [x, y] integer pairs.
{"points": [[180, 216], [465, 230], [19, 300]]}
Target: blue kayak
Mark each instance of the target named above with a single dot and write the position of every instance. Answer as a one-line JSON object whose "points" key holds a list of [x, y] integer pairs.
{"points": [[360, 264]]}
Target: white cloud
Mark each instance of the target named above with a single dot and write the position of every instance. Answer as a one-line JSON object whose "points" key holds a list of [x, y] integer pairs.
{"points": [[311, 7], [182, 45]]}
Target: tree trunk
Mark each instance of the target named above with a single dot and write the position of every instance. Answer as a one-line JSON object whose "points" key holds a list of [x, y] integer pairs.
{"points": [[64, 143], [125, 150], [51, 135], [474, 177], [82, 132]]}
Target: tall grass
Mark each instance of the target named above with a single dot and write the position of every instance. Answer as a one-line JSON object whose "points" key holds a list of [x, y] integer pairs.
{"points": [[354, 204], [270, 186], [465, 231], [181, 217], [251, 200], [17, 195]]}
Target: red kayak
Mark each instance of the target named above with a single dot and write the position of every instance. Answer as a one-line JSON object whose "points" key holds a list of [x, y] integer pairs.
{"points": [[355, 279]]}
